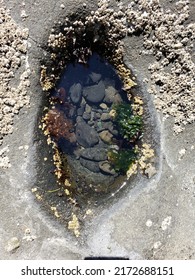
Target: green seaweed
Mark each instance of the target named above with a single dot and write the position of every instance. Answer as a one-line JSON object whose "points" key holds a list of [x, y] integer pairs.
{"points": [[121, 160], [129, 125]]}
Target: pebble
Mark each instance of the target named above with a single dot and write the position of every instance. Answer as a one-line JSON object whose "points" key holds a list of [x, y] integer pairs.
{"points": [[76, 93], [95, 77], [12, 244], [103, 106], [105, 117], [86, 116], [105, 167], [95, 93], [80, 110], [86, 135], [112, 96], [106, 136]]}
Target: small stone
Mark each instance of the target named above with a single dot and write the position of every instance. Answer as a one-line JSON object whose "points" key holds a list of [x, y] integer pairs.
{"points": [[95, 77], [112, 96], [12, 244], [80, 111], [87, 109], [103, 106], [86, 116], [90, 165], [106, 136], [94, 94], [105, 117], [75, 93], [106, 168], [62, 6]]}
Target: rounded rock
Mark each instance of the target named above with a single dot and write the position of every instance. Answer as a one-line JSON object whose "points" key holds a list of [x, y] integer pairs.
{"points": [[94, 94], [76, 93]]}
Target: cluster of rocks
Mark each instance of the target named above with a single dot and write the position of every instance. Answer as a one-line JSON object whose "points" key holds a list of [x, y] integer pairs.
{"points": [[94, 127]]}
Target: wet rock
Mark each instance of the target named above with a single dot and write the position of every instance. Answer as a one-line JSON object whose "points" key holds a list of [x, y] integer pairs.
{"points": [[105, 117], [106, 136], [79, 119], [76, 93], [72, 112], [86, 116], [87, 109], [99, 126], [86, 135], [80, 111], [107, 126], [97, 116], [103, 106], [94, 94], [112, 96], [12, 244], [90, 165], [91, 123], [95, 154], [106, 168], [95, 77]]}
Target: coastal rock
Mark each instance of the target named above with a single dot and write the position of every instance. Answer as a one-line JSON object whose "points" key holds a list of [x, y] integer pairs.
{"points": [[112, 96], [106, 168], [95, 154], [94, 94], [105, 117], [76, 93], [95, 77], [90, 165], [86, 135], [86, 116], [106, 136]]}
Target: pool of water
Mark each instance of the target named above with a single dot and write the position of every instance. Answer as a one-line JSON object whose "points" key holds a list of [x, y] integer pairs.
{"points": [[80, 122]]}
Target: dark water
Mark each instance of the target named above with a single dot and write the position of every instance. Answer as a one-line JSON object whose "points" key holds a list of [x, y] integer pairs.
{"points": [[84, 96]]}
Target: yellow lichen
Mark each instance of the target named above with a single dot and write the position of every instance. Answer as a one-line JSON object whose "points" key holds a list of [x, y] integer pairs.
{"points": [[147, 153], [112, 113], [54, 210], [67, 192], [74, 225], [67, 183], [132, 169]]}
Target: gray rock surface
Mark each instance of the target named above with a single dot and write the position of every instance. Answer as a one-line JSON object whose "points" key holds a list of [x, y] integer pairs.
{"points": [[86, 135], [112, 96], [106, 168], [96, 153], [95, 77], [91, 165], [94, 94], [76, 93], [152, 219]]}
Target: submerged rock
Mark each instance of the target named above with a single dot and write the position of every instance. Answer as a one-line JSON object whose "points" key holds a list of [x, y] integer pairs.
{"points": [[96, 153], [106, 136], [105, 167], [86, 135], [95, 77], [76, 93], [94, 94], [112, 96], [90, 165]]}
